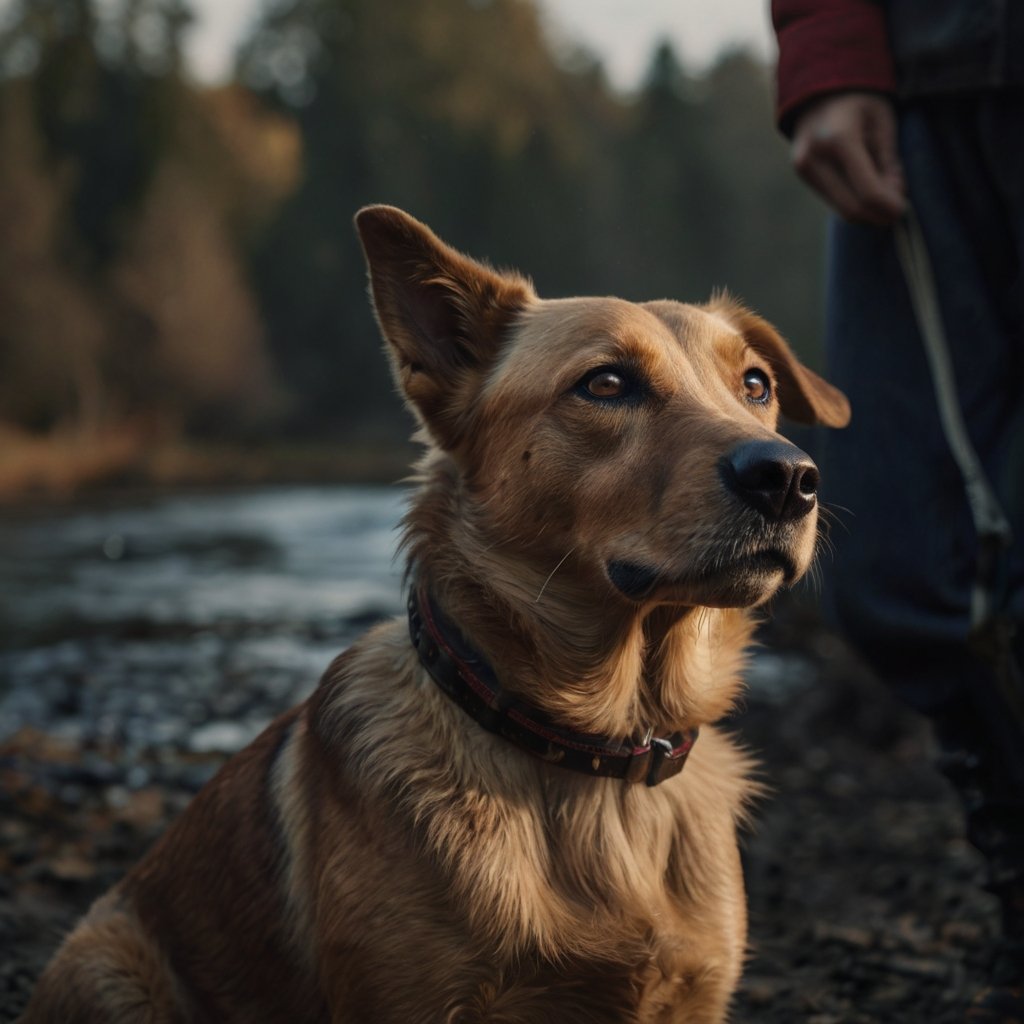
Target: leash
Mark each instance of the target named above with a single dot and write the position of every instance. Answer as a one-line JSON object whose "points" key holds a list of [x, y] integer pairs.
{"points": [[991, 634]]}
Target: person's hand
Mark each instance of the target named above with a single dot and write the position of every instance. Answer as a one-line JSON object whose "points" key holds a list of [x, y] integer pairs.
{"points": [[844, 147]]}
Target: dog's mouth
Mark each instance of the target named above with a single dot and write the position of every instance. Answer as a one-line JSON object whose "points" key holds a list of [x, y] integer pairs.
{"points": [[738, 580]]}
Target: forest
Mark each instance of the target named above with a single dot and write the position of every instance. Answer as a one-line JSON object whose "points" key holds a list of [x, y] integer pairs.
{"points": [[181, 291]]}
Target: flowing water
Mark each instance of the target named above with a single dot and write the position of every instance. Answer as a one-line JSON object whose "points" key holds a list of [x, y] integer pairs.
{"points": [[186, 621], [183, 623]]}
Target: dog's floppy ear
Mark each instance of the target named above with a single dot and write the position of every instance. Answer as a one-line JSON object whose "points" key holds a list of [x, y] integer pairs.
{"points": [[442, 314], [804, 397]]}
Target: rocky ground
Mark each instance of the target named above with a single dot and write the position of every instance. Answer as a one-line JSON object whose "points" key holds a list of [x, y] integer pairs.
{"points": [[865, 903]]}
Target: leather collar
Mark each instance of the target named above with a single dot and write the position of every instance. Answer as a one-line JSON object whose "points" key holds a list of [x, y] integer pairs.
{"points": [[468, 680]]}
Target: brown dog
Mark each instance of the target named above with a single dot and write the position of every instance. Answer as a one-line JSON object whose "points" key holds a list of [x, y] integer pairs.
{"points": [[488, 822]]}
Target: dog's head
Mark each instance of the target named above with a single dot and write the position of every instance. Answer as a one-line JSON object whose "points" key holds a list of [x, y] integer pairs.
{"points": [[633, 445]]}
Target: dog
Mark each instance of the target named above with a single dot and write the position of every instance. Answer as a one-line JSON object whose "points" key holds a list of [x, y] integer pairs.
{"points": [[482, 812]]}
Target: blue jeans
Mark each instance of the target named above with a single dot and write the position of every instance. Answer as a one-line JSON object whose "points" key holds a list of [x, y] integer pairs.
{"points": [[906, 550]]}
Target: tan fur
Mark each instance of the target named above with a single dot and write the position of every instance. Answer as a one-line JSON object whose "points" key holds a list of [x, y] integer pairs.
{"points": [[375, 855]]}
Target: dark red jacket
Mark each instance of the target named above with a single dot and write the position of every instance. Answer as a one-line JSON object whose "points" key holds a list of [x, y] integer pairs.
{"points": [[829, 46], [918, 48]]}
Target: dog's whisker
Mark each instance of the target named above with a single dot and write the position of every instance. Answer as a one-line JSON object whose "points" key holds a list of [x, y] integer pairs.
{"points": [[836, 513], [841, 508], [561, 562]]}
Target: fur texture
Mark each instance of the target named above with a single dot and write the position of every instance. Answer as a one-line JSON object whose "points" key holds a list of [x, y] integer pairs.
{"points": [[375, 855]]}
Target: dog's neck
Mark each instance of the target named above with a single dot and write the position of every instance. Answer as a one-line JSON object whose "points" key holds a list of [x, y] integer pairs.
{"points": [[467, 678], [590, 660]]}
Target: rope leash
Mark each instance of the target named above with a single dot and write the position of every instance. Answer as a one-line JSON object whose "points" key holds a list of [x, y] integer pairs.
{"points": [[991, 633]]}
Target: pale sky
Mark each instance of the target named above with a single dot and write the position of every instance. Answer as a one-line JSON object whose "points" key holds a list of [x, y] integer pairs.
{"points": [[621, 32]]}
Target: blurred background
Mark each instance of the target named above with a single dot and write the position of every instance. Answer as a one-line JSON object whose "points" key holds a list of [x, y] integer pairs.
{"points": [[182, 297], [199, 439]]}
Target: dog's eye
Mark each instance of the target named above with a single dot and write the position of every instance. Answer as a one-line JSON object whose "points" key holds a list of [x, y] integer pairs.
{"points": [[605, 383], [758, 386]]}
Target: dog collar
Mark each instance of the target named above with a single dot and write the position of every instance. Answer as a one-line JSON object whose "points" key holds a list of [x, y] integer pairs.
{"points": [[468, 680]]}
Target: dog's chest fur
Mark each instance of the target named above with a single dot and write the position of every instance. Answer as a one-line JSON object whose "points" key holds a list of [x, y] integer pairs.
{"points": [[526, 894]]}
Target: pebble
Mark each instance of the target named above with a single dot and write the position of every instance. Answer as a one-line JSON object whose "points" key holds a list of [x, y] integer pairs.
{"points": [[221, 737]]}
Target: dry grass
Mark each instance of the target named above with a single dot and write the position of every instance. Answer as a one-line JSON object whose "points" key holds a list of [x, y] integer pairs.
{"points": [[64, 462]]}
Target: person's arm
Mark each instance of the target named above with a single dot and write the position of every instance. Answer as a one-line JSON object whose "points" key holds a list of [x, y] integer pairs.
{"points": [[835, 83]]}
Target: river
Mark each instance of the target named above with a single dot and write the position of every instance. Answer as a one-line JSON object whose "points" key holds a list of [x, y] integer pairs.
{"points": [[189, 619], [183, 622]]}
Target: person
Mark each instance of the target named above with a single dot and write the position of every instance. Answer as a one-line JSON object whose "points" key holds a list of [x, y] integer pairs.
{"points": [[893, 105]]}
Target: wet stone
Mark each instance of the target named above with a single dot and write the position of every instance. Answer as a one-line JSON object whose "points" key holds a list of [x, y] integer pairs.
{"points": [[226, 737]]}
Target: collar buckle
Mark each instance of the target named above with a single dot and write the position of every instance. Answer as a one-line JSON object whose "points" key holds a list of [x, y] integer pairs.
{"points": [[668, 757]]}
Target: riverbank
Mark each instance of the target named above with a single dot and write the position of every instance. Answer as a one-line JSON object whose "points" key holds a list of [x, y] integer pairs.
{"points": [[66, 463], [866, 905]]}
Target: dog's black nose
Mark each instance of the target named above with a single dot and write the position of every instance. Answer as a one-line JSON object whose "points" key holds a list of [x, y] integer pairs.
{"points": [[774, 477]]}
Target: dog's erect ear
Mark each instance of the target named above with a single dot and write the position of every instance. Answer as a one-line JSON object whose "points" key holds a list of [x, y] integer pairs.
{"points": [[442, 314], [804, 397]]}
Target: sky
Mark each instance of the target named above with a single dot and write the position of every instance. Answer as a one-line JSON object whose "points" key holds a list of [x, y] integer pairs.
{"points": [[621, 32]]}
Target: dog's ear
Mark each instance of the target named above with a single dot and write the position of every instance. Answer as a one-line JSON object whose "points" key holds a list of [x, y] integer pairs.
{"points": [[442, 314], [804, 397]]}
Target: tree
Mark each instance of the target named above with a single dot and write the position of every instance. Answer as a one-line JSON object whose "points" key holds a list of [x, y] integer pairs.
{"points": [[125, 294], [455, 110]]}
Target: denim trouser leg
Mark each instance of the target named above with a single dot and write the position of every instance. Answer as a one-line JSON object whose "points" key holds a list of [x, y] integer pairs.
{"points": [[905, 544]]}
